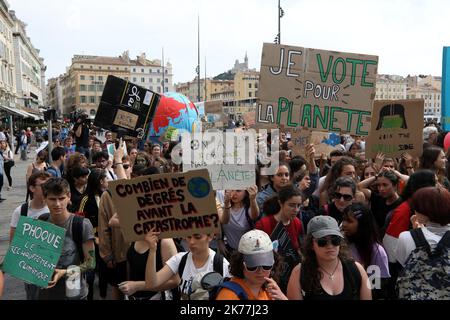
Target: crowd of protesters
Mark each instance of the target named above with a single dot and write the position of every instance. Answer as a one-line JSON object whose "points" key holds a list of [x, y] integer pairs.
{"points": [[323, 226]]}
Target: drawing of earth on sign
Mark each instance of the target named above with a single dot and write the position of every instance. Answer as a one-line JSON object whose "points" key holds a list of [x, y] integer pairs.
{"points": [[198, 187], [333, 140], [174, 114]]}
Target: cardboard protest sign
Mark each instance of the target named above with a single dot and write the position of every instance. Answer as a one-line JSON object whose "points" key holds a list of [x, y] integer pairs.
{"points": [[322, 90], [176, 204], [396, 128], [214, 106], [249, 118], [227, 157], [34, 251], [126, 108], [228, 177], [300, 139]]}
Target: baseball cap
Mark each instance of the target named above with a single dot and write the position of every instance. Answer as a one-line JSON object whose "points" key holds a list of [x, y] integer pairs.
{"points": [[322, 226], [257, 249]]}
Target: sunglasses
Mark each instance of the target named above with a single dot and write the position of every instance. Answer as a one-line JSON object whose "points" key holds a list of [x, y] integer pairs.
{"points": [[126, 166], [253, 269], [347, 197], [335, 241]]}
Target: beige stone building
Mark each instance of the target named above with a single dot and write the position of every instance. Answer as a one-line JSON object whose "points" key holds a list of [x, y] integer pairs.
{"points": [[29, 69], [390, 87], [81, 87], [7, 69]]}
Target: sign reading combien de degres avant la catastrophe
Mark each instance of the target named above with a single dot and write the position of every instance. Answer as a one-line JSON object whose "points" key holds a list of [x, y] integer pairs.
{"points": [[176, 204], [318, 89]]}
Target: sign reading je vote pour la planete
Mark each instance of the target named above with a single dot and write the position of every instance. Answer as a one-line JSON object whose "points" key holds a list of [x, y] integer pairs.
{"points": [[34, 251], [322, 90], [177, 205]]}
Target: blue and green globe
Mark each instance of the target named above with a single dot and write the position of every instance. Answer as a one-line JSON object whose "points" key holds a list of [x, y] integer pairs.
{"points": [[198, 187]]}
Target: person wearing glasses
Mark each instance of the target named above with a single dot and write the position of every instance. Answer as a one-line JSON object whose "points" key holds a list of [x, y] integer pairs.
{"points": [[286, 228], [277, 181], [327, 272], [254, 267], [342, 195]]}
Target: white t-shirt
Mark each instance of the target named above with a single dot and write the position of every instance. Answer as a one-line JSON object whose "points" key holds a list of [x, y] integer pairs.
{"points": [[190, 270], [32, 213], [433, 233], [236, 227]]}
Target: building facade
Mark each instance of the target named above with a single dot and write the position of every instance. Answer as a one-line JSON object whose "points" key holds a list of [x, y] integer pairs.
{"points": [[8, 92], [151, 74], [81, 87], [390, 87], [29, 68]]}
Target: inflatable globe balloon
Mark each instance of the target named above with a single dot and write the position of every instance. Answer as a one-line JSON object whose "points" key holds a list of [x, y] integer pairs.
{"points": [[174, 114]]}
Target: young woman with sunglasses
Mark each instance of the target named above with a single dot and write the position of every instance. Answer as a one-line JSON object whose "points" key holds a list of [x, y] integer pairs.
{"points": [[326, 272], [360, 231], [279, 180], [285, 227], [342, 195], [254, 267]]}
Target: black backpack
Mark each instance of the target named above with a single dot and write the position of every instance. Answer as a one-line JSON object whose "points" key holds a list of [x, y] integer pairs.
{"points": [[77, 232], [217, 264], [217, 267]]}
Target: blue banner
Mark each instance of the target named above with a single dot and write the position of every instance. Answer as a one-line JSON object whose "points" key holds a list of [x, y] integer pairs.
{"points": [[445, 121]]}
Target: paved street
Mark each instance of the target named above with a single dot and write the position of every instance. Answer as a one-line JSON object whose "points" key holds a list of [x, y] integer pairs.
{"points": [[14, 289]]}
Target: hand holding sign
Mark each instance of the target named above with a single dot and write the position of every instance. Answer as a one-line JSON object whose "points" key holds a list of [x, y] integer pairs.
{"points": [[57, 275], [152, 239], [252, 191]]}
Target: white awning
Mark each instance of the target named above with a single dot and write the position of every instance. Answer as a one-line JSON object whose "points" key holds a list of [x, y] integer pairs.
{"points": [[16, 112]]}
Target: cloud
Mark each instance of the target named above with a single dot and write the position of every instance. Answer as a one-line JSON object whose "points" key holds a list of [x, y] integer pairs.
{"points": [[408, 36]]}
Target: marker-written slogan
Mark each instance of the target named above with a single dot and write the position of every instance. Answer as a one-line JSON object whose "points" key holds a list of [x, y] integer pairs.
{"points": [[322, 90], [174, 204]]}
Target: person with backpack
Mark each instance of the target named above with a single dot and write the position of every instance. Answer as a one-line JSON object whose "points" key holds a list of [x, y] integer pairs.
{"points": [[400, 221], [286, 228], [254, 267], [240, 213], [58, 156], [326, 272], [185, 265], [32, 209], [424, 252], [78, 248]]}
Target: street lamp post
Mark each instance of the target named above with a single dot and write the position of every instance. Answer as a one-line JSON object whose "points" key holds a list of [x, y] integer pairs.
{"points": [[280, 15]]}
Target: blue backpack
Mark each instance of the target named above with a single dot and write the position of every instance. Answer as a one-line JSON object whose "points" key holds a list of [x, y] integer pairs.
{"points": [[230, 285]]}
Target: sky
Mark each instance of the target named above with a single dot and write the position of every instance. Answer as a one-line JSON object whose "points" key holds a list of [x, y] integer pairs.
{"points": [[407, 36]]}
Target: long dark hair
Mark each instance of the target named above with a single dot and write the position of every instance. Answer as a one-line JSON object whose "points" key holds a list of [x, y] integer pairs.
{"points": [[94, 182], [246, 200], [366, 235], [419, 179], [272, 205], [429, 157], [310, 266]]}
